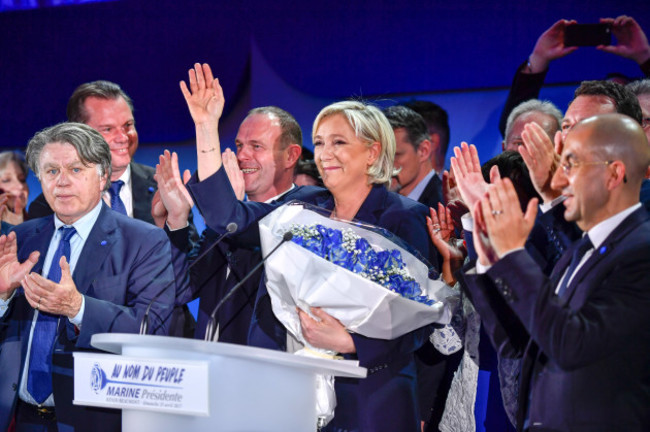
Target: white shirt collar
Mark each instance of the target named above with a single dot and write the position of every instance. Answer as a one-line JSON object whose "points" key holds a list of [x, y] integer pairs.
{"points": [[126, 175], [599, 232], [270, 200], [84, 224]]}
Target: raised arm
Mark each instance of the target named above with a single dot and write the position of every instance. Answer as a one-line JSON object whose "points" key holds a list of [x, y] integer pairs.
{"points": [[632, 42], [529, 78], [205, 101]]}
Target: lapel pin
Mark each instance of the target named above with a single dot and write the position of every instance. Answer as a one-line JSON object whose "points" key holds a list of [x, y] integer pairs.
{"points": [[103, 243], [602, 249], [151, 189]]}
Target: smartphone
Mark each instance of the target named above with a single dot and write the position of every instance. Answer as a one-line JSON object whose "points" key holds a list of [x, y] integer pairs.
{"points": [[588, 35]]}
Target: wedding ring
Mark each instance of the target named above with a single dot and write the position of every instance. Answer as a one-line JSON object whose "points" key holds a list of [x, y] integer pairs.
{"points": [[497, 212]]}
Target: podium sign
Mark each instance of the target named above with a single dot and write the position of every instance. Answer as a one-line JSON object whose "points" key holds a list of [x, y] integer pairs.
{"points": [[139, 383], [244, 388]]}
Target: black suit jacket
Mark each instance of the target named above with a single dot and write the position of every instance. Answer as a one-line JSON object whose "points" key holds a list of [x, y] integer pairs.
{"points": [[585, 356], [432, 193]]}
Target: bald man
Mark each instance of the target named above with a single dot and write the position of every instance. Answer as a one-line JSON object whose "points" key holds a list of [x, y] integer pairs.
{"points": [[584, 332]]}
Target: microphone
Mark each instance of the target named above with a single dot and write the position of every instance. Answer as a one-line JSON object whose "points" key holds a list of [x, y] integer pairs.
{"points": [[144, 324], [211, 328]]}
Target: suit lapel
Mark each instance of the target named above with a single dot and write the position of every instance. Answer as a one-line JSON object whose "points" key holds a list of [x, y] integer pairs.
{"points": [[39, 240], [143, 187], [432, 193], [99, 243], [621, 231]]}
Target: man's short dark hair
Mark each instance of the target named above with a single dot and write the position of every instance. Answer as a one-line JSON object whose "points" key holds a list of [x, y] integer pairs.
{"points": [[511, 165], [291, 132], [625, 101], [76, 111], [400, 116], [435, 117]]}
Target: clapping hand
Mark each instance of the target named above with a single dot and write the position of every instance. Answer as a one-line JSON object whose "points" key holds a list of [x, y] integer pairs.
{"points": [[540, 158], [466, 168], [441, 228], [499, 217], [234, 173], [174, 196], [60, 298], [12, 272], [12, 208]]}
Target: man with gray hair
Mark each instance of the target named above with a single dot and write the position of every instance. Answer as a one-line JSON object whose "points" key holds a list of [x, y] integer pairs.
{"points": [[544, 113], [84, 270]]}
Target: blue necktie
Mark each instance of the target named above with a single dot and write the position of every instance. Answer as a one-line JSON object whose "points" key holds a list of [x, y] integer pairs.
{"points": [[583, 245], [116, 201], [39, 380]]}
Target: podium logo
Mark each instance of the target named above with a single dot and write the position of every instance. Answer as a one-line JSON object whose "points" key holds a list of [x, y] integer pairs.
{"points": [[97, 378]]}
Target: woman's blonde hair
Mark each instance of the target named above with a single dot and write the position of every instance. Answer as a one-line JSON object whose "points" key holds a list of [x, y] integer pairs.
{"points": [[370, 125]]}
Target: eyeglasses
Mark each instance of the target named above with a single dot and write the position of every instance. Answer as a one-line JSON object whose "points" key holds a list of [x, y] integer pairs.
{"points": [[567, 166]]}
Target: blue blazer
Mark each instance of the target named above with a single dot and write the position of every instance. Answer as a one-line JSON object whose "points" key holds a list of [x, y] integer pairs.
{"points": [[207, 279], [386, 399], [585, 356], [124, 264]]}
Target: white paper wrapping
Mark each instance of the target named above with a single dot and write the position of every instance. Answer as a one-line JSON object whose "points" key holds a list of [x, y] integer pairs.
{"points": [[298, 277]]}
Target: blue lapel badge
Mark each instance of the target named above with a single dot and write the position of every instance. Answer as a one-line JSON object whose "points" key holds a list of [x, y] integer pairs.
{"points": [[103, 242], [602, 250]]}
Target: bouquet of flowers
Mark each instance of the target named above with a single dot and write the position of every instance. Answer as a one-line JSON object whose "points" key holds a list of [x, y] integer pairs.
{"points": [[355, 272]]}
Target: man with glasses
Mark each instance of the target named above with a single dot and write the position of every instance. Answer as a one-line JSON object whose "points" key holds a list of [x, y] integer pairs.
{"points": [[583, 333]]}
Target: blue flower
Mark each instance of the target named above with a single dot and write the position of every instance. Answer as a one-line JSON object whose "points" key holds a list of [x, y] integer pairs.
{"points": [[352, 252]]}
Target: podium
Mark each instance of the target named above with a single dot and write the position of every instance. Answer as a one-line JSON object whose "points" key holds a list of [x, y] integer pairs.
{"points": [[164, 383]]}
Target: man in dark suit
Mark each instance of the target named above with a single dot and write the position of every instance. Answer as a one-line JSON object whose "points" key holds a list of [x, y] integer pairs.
{"points": [[105, 107], [437, 121], [63, 278], [416, 178], [584, 333], [268, 148]]}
